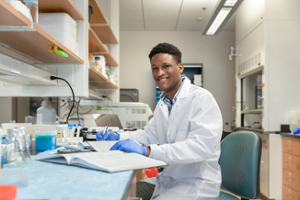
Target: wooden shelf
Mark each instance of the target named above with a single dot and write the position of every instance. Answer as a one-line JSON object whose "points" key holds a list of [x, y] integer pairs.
{"points": [[11, 17], [100, 25], [98, 80], [97, 48], [95, 45], [66, 6], [97, 17], [105, 34], [32, 43]]}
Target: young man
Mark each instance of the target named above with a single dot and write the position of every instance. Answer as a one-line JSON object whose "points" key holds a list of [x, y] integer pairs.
{"points": [[184, 132]]}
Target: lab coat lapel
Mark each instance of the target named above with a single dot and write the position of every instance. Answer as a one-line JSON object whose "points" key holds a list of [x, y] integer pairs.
{"points": [[182, 94], [164, 109]]}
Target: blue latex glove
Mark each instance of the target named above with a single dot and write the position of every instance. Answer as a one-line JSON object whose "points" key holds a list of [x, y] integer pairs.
{"points": [[107, 136], [130, 146]]}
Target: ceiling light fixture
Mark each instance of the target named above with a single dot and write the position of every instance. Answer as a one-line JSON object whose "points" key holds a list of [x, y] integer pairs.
{"points": [[222, 13]]}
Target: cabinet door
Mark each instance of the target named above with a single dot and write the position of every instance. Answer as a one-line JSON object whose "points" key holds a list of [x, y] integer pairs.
{"points": [[290, 162], [291, 145], [289, 194]]}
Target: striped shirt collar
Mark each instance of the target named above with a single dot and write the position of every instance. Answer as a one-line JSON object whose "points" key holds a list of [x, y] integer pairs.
{"points": [[167, 101]]}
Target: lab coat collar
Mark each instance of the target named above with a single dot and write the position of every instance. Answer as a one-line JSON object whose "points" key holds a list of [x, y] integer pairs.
{"points": [[184, 92], [185, 89]]}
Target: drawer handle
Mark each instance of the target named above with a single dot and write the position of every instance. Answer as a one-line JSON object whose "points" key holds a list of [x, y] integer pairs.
{"points": [[288, 196], [287, 145], [288, 162], [288, 179]]}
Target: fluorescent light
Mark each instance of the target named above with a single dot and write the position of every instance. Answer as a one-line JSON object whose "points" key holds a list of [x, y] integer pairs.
{"points": [[221, 14], [230, 3], [218, 21]]}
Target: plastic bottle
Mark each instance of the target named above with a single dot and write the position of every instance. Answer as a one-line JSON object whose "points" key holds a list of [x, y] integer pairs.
{"points": [[46, 113], [107, 71], [32, 5], [98, 66], [70, 130], [91, 60], [78, 130]]}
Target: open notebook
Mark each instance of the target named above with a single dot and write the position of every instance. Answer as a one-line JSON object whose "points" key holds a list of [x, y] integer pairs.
{"points": [[105, 160]]}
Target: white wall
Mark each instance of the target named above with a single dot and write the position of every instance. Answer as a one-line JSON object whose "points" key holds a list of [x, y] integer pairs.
{"points": [[211, 51]]}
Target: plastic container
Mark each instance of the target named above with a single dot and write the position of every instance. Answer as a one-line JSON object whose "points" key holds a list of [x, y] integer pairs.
{"points": [[32, 5], [61, 27], [103, 71], [46, 113], [8, 192], [45, 140], [98, 65], [71, 130], [91, 60]]}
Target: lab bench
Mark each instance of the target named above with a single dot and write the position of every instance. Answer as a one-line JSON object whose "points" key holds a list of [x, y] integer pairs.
{"points": [[56, 181]]}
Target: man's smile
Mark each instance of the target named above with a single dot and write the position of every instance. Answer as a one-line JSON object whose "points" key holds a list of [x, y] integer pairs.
{"points": [[162, 80]]}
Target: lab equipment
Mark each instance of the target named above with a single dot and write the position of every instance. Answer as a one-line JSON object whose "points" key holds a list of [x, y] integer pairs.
{"points": [[296, 131], [71, 130], [129, 146], [17, 151], [97, 65], [30, 119], [68, 141], [45, 140], [46, 113], [133, 115], [78, 130], [62, 131], [32, 5], [104, 131], [107, 136]]}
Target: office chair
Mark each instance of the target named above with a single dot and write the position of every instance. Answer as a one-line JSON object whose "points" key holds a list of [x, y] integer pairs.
{"points": [[240, 164]]}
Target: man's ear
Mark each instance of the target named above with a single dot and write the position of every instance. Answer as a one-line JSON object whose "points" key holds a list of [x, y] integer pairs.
{"points": [[181, 67]]}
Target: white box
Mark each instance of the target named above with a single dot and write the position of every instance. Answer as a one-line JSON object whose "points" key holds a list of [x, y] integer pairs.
{"points": [[61, 27]]}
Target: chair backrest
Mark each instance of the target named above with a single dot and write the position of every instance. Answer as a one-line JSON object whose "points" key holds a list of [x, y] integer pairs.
{"points": [[240, 164]]}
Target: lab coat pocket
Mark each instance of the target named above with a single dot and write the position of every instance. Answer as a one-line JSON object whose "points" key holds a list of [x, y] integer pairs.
{"points": [[180, 136]]}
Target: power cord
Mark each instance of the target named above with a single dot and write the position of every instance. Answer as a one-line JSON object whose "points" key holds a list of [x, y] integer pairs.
{"points": [[54, 78]]}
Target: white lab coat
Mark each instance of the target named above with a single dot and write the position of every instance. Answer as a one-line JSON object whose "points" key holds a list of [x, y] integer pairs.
{"points": [[188, 140]]}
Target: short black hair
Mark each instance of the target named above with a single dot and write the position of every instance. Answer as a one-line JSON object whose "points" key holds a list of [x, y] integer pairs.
{"points": [[166, 48]]}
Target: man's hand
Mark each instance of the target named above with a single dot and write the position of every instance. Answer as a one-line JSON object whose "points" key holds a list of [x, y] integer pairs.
{"points": [[107, 136], [130, 146]]}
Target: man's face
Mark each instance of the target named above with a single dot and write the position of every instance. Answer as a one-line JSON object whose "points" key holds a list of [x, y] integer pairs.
{"points": [[166, 72]]}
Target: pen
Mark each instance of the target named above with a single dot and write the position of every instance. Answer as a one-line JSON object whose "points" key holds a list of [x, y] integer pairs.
{"points": [[104, 131]]}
